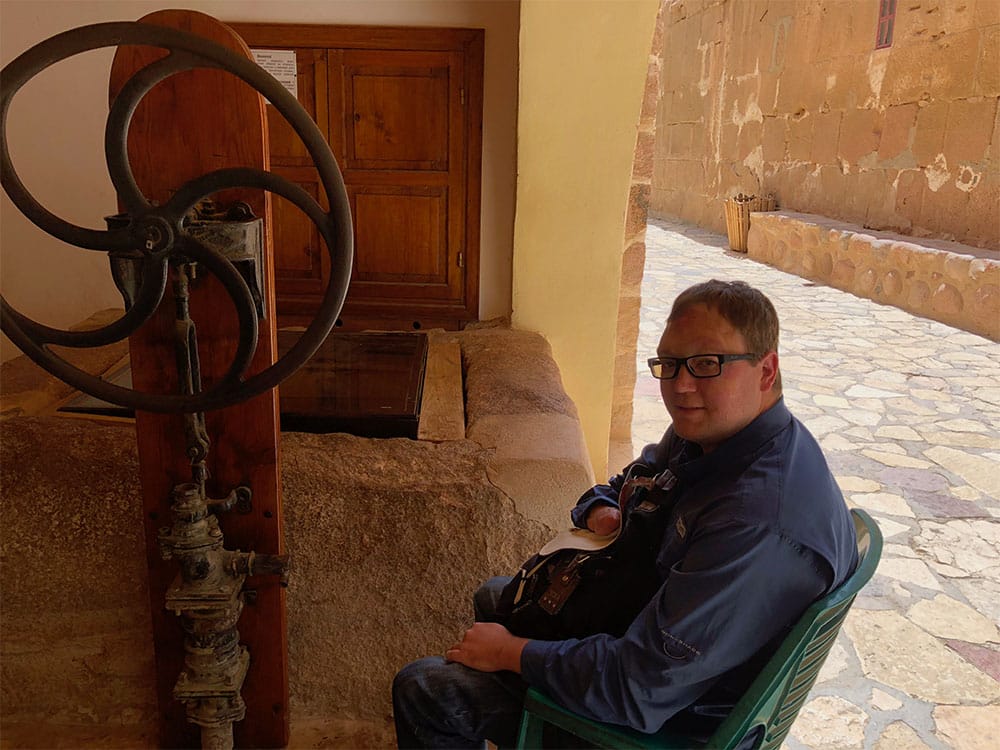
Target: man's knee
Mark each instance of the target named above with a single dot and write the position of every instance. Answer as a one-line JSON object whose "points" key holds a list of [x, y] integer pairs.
{"points": [[414, 682]]}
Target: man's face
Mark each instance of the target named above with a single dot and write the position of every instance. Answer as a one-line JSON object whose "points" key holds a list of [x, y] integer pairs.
{"points": [[708, 411]]}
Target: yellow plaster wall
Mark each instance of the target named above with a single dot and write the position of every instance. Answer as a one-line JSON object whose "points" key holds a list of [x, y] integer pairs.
{"points": [[582, 74]]}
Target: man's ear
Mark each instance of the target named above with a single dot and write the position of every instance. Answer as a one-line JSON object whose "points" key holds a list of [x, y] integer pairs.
{"points": [[768, 371]]}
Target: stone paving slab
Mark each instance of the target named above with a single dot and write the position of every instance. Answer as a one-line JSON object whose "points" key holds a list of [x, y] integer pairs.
{"points": [[908, 413]]}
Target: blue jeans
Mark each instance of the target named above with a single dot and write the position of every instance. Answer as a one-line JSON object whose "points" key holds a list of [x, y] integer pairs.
{"points": [[439, 704]]}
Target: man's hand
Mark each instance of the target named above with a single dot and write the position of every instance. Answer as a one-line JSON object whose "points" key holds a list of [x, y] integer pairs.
{"points": [[488, 647], [603, 519]]}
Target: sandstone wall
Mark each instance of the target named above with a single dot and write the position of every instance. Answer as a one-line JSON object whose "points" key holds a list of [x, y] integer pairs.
{"points": [[791, 98]]}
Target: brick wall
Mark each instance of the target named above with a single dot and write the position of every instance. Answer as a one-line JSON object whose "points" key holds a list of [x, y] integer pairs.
{"points": [[791, 98]]}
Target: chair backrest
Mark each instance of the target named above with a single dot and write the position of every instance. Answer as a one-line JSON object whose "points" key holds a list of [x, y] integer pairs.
{"points": [[774, 698]]}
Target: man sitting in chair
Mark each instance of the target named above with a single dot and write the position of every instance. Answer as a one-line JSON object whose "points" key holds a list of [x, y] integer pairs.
{"points": [[758, 531]]}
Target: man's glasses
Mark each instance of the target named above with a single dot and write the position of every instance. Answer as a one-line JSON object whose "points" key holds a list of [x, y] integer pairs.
{"points": [[699, 365]]}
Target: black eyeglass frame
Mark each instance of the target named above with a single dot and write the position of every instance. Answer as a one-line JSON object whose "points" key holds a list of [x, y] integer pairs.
{"points": [[678, 361]]}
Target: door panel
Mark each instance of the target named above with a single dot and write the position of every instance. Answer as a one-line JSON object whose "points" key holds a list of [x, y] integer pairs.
{"points": [[402, 236], [402, 110], [396, 108]]}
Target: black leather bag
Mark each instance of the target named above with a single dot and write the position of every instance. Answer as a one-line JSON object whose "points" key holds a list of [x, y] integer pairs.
{"points": [[573, 593]]}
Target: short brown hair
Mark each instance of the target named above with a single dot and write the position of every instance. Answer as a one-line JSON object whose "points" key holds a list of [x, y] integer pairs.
{"points": [[747, 309]]}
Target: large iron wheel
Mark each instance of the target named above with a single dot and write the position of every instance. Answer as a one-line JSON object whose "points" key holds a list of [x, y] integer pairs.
{"points": [[154, 235]]}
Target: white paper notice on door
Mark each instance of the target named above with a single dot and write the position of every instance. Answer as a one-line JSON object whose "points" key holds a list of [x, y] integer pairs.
{"points": [[281, 64]]}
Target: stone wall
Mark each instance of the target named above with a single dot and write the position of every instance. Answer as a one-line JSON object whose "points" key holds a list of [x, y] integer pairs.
{"points": [[955, 284], [633, 264], [389, 539], [791, 99]]}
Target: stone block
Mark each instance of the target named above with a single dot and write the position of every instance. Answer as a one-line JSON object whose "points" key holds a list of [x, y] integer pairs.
{"points": [[847, 83], [855, 206], [666, 203], [917, 295], [797, 90], [728, 142], [920, 21], [947, 301], [908, 72], [711, 22], [714, 215], [637, 210], [837, 21], [866, 282], [650, 96], [693, 207], [688, 105], [892, 285], [876, 187], [805, 31], [928, 138], [860, 133], [968, 130], [757, 243], [767, 93], [681, 140], [959, 16], [985, 310], [987, 81], [941, 206], [539, 460], [626, 331], [511, 372], [748, 140], [954, 64], [773, 138], [633, 261], [788, 185], [987, 13], [910, 186], [825, 137], [897, 131], [832, 186], [645, 149], [370, 550], [685, 174], [800, 135], [982, 219]]}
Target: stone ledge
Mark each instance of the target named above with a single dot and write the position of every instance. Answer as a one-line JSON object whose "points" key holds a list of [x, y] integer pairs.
{"points": [[517, 408], [944, 281]]}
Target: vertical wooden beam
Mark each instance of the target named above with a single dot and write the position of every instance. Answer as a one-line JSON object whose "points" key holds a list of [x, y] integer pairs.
{"points": [[193, 123]]}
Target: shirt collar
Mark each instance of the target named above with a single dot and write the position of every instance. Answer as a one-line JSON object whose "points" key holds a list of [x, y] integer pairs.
{"points": [[691, 463]]}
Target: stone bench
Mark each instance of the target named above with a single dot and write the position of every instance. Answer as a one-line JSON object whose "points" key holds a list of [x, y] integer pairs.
{"points": [[945, 281]]}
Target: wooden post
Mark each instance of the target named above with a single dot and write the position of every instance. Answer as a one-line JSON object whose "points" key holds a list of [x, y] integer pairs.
{"points": [[193, 123]]}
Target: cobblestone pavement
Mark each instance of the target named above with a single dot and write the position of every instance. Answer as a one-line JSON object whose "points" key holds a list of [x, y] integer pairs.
{"points": [[908, 413]]}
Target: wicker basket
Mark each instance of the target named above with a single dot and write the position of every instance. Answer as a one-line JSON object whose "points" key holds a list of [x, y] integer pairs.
{"points": [[738, 217]]}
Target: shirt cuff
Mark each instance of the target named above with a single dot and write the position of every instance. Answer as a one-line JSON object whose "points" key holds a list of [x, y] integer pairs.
{"points": [[534, 655]]}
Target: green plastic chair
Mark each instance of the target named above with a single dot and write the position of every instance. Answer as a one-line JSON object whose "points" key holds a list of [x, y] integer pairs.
{"points": [[773, 699]]}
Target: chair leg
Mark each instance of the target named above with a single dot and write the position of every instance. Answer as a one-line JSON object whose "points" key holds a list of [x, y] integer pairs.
{"points": [[530, 736]]}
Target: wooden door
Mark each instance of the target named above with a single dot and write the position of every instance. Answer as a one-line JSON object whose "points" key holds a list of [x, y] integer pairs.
{"points": [[403, 113]]}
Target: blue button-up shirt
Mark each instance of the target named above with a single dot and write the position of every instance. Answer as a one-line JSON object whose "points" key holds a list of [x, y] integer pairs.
{"points": [[759, 531]]}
